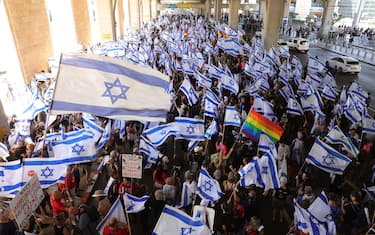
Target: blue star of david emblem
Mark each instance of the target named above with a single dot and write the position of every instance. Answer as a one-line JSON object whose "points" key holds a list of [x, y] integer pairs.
{"points": [[351, 107], [294, 104], [131, 206], [231, 82], [186, 231], [191, 91], [328, 160], [47, 172], [265, 170], [190, 129], [373, 124], [25, 128], [115, 90], [207, 185], [236, 118], [328, 217], [78, 149]]}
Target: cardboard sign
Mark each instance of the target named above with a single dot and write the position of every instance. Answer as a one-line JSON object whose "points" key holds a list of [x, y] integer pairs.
{"points": [[131, 166], [27, 200]]}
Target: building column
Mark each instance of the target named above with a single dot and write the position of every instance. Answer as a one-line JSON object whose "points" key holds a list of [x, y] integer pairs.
{"points": [[286, 8], [208, 9], [82, 22], [153, 9], [328, 10], [106, 20], [358, 12], [234, 6], [273, 13], [135, 20], [217, 9]]}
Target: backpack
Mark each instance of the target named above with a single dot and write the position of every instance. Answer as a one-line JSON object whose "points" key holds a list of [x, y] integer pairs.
{"points": [[93, 213]]}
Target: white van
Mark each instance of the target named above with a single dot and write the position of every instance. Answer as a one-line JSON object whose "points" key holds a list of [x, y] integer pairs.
{"points": [[299, 44]]}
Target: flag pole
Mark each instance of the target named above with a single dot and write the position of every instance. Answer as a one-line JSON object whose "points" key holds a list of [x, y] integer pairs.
{"points": [[127, 218], [301, 168]]}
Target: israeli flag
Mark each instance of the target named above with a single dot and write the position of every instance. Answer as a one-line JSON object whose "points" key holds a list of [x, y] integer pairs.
{"points": [[119, 125], [36, 106], [212, 129], [250, 174], [208, 188], [284, 51], [210, 106], [321, 211], [22, 127], [148, 149], [336, 136], [188, 192], [189, 128], [284, 75], [203, 81], [10, 177], [357, 90], [110, 88], [314, 65], [266, 144], [89, 122], [305, 222], [49, 170], [214, 72], [286, 92], [76, 149], [106, 135], [350, 110], [157, 135], [261, 105], [305, 88], [329, 93], [48, 94], [368, 125], [173, 221], [268, 171], [327, 159], [232, 117], [116, 211], [228, 82], [294, 107], [189, 91], [4, 152], [134, 204]]}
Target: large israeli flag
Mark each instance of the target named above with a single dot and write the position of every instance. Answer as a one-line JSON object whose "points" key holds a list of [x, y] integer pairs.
{"points": [[208, 188], [49, 170], [351, 111], [10, 177], [151, 152], [111, 88], [134, 204], [116, 211], [173, 221], [305, 222], [314, 65], [327, 159], [189, 91], [210, 106], [229, 83], [268, 171], [189, 128], [76, 149], [336, 136], [232, 117], [157, 135], [329, 93], [250, 174]]}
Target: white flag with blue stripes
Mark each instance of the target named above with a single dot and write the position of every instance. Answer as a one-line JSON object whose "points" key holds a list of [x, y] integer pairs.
{"points": [[36, 106], [294, 107], [203, 81], [232, 117], [10, 177], [110, 88], [157, 135], [250, 174], [321, 211], [188, 192], [266, 144], [329, 93], [90, 124], [351, 111], [268, 171], [106, 135], [189, 128], [173, 221], [212, 129], [228, 82], [336, 136], [327, 159], [151, 152], [189, 91], [208, 188], [210, 105], [4, 152], [368, 125], [314, 65], [134, 204], [116, 211], [305, 222], [76, 149], [49, 170]]}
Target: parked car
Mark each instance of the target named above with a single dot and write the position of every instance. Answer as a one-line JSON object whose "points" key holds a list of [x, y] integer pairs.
{"points": [[299, 44], [344, 64]]}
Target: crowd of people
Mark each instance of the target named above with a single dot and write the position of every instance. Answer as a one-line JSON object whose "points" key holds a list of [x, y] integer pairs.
{"points": [[265, 81]]}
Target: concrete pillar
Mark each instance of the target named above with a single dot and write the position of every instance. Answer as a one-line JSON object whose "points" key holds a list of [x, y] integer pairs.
{"points": [[135, 21], [82, 22], [153, 9], [328, 10], [234, 6], [217, 9], [207, 11], [286, 8], [106, 20], [121, 18], [358, 12], [273, 13], [30, 28], [146, 10]]}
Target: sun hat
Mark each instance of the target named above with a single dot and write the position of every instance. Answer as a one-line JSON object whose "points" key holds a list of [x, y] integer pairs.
{"points": [[99, 193]]}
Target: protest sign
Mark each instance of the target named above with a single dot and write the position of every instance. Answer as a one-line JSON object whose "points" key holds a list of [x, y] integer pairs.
{"points": [[132, 166]]}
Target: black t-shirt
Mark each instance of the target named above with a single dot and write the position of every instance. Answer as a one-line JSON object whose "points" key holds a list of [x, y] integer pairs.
{"points": [[8, 228], [282, 194]]}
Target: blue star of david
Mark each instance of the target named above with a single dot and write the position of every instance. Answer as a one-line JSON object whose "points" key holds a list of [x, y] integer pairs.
{"points": [[231, 82], [294, 104], [207, 185], [265, 170], [351, 107], [328, 217], [24, 128], [131, 206], [236, 118], [190, 129], [328, 160], [191, 91], [47, 172], [373, 124], [186, 231], [78, 149], [109, 92]]}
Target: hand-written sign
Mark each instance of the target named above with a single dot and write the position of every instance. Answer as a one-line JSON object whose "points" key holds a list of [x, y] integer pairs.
{"points": [[27, 200], [132, 166]]}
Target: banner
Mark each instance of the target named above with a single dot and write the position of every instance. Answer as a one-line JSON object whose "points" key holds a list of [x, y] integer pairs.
{"points": [[132, 166], [27, 200]]}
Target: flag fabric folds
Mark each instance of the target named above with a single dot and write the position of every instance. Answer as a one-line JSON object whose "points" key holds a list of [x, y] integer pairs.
{"points": [[188, 192], [335, 136], [268, 171], [134, 204], [4, 152], [10, 177], [110, 88], [232, 117], [116, 211], [189, 128], [157, 135], [148, 149], [327, 159], [173, 221], [106, 135], [212, 129], [255, 123], [189, 91], [208, 188]]}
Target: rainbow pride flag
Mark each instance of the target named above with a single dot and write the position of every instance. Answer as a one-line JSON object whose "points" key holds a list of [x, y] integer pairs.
{"points": [[255, 123]]}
